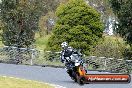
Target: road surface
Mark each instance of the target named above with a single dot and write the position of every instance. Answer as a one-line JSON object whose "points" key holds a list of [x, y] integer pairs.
{"points": [[56, 76]]}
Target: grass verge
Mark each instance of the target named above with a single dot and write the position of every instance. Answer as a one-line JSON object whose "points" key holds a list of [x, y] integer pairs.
{"points": [[41, 42], [9, 82]]}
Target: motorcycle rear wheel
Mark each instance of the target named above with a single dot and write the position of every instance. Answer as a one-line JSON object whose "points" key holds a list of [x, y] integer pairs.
{"points": [[81, 80]]}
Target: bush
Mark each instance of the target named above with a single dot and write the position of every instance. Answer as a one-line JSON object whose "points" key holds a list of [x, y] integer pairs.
{"points": [[78, 24], [110, 47]]}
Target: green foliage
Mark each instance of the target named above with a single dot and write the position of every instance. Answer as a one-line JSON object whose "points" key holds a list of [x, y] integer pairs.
{"points": [[20, 18], [44, 26], [103, 6], [41, 42], [78, 24], [19, 23], [122, 9], [110, 47], [128, 54]]}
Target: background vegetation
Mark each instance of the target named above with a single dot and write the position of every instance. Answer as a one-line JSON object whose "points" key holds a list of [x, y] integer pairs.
{"points": [[122, 9], [110, 47], [123, 27], [24, 22], [78, 24]]}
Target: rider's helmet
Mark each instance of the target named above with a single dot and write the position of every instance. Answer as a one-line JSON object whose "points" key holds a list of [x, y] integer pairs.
{"points": [[64, 45]]}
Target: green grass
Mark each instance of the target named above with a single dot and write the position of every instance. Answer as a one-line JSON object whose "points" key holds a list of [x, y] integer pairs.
{"points": [[8, 82], [41, 42], [1, 44]]}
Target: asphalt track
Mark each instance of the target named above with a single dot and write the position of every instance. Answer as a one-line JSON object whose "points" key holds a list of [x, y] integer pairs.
{"points": [[51, 75]]}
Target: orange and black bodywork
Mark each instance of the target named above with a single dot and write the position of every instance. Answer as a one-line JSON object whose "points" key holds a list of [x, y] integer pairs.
{"points": [[82, 77], [81, 71]]}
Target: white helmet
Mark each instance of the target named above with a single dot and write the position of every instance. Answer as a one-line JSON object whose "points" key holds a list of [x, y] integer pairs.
{"points": [[64, 44]]}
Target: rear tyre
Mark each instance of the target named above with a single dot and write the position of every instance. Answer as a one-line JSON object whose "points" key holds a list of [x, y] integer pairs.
{"points": [[81, 80]]}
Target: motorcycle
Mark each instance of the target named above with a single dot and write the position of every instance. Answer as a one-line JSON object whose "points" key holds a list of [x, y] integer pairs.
{"points": [[75, 67]]}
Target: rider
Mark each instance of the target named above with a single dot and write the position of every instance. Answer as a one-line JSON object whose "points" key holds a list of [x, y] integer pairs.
{"points": [[66, 52]]}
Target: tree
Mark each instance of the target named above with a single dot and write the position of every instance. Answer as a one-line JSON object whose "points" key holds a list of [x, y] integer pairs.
{"points": [[122, 9], [107, 15], [47, 20], [20, 18], [103, 7], [78, 24], [46, 23]]}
